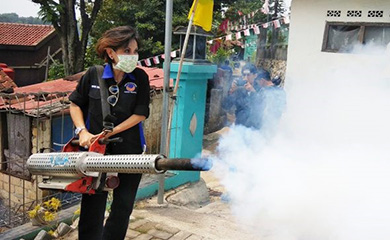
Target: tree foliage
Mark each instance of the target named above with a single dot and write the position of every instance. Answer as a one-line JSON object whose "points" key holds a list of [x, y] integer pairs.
{"points": [[148, 17], [14, 18], [73, 37]]}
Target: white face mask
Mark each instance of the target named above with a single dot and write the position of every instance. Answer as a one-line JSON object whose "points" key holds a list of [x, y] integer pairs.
{"points": [[126, 63]]}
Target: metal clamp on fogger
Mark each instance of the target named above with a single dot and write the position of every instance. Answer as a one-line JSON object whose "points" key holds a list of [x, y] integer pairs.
{"points": [[82, 172]]}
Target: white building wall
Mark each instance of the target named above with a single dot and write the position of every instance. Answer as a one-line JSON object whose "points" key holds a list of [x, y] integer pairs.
{"points": [[306, 61]]}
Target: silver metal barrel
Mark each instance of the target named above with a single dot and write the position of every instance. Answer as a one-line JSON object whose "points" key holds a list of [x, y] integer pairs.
{"points": [[63, 164], [79, 164], [144, 163]]}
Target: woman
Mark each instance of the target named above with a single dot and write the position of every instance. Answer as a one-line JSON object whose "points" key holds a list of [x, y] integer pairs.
{"points": [[128, 90]]}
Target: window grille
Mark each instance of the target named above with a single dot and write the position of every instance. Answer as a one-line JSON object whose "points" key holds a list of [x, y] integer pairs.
{"points": [[354, 13], [374, 13], [333, 13]]}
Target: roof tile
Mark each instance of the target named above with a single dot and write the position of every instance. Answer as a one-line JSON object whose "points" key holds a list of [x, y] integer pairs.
{"points": [[23, 34]]}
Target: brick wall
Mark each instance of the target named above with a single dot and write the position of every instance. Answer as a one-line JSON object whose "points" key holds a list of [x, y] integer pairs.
{"points": [[152, 125], [16, 184]]}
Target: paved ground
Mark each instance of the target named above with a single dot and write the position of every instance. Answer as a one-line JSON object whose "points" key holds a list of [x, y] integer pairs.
{"points": [[169, 221], [211, 221]]}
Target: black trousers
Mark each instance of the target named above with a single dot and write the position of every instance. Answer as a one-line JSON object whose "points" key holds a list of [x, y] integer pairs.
{"points": [[93, 208]]}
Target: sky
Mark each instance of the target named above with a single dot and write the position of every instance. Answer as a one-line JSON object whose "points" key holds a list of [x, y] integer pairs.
{"points": [[24, 8]]}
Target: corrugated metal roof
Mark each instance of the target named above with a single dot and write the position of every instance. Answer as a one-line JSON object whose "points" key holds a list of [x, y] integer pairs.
{"points": [[47, 98], [156, 77], [23, 34]]}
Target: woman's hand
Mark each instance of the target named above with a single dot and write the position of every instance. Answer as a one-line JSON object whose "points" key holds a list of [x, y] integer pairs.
{"points": [[86, 138]]}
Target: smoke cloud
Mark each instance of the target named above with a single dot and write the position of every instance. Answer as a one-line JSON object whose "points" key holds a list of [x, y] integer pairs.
{"points": [[323, 172]]}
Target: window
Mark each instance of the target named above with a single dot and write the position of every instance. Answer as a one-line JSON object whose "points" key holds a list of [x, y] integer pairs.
{"points": [[341, 37], [16, 144]]}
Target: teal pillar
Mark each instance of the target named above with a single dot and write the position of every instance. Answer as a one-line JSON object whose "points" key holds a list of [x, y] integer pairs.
{"points": [[186, 136]]}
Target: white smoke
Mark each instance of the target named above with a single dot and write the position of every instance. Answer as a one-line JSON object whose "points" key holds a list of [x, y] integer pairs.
{"points": [[325, 173]]}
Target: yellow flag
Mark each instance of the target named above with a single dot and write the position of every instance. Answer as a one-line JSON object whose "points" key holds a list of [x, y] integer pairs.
{"points": [[203, 14]]}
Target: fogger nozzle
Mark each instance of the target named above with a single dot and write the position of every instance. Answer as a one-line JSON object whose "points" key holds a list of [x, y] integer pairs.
{"points": [[78, 164]]}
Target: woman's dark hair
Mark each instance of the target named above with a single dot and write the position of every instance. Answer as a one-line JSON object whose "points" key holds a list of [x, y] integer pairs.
{"points": [[115, 38]]}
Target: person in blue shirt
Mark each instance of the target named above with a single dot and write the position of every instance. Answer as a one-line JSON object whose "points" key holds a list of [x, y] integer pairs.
{"points": [[272, 101], [242, 95]]}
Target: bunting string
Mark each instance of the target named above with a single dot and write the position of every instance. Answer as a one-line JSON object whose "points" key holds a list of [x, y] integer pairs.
{"points": [[245, 30], [241, 30], [155, 60]]}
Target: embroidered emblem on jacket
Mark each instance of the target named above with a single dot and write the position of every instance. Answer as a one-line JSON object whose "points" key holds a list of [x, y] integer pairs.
{"points": [[131, 87]]}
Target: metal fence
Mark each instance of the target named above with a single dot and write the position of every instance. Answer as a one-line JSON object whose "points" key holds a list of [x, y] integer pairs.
{"points": [[47, 115]]}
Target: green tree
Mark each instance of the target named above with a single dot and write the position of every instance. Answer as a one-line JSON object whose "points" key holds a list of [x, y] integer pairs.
{"points": [[147, 16], [73, 38], [14, 18], [245, 6]]}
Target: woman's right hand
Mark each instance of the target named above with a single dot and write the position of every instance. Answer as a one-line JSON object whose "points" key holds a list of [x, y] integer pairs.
{"points": [[86, 138]]}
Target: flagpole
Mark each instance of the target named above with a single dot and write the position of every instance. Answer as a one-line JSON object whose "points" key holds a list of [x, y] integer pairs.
{"points": [[174, 95], [165, 114], [183, 51]]}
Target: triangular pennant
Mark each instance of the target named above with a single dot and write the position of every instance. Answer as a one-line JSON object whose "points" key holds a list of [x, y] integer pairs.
{"points": [[276, 23], [257, 30], [156, 60], [147, 62], [238, 35], [265, 7]]}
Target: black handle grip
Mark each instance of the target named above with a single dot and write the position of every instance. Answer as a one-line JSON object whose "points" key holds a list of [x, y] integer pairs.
{"points": [[102, 141]]}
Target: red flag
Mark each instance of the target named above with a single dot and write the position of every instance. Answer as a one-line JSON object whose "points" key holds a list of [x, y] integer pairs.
{"points": [[224, 25], [214, 48], [239, 12]]}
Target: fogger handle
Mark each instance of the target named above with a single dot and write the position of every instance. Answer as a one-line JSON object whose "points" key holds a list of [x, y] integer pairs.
{"points": [[101, 141]]}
